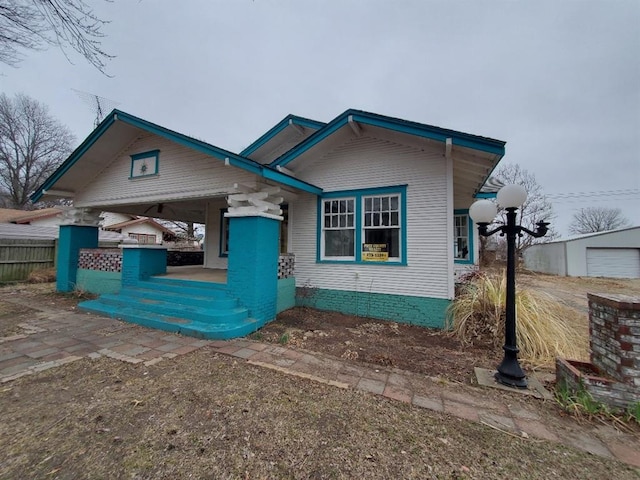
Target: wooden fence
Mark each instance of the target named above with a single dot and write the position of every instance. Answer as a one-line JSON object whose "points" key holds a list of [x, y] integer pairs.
{"points": [[19, 257]]}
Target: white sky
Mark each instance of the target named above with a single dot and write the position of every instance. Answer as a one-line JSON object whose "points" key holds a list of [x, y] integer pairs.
{"points": [[559, 81]]}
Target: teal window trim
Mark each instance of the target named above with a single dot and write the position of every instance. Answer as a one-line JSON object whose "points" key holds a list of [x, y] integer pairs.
{"points": [[150, 154], [223, 233], [359, 195], [471, 258]]}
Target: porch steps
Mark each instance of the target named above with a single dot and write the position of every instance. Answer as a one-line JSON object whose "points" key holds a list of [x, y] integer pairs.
{"points": [[197, 309]]}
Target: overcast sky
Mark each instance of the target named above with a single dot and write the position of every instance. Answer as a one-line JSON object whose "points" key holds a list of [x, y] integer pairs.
{"points": [[559, 81]]}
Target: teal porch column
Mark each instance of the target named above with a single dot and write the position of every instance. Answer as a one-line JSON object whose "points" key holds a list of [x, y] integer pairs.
{"points": [[141, 262], [252, 274], [71, 239]]}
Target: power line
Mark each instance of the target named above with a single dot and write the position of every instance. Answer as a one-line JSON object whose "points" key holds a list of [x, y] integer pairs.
{"points": [[601, 193]]}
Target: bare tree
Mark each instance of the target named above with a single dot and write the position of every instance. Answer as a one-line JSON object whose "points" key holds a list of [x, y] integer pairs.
{"points": [[536, 208], [32, 145], [32, 24], [597, 219]]}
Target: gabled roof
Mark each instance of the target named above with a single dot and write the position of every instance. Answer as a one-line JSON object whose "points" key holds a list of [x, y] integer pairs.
{"points": [[138, 221], [32, 215], [8, 214], [184, 140], [460, 139], [281, 125]]}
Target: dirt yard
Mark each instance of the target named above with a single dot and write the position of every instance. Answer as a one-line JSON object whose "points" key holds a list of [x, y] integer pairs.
{"points": [[208, 416], [427, 351]]}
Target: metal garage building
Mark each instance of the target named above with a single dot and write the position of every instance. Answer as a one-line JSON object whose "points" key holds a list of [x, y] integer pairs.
{"points": [[615, 253]]}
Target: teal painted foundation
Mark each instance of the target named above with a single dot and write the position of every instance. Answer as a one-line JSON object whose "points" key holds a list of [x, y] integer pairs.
{"points": [[423, 311], [71, 239], [97, 282], [286, 294]]}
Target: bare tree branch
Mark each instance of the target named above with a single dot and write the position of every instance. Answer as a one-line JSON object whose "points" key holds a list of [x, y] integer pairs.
{"points": [[34, 24], [32, 145], [597, 219], [535, 209]]}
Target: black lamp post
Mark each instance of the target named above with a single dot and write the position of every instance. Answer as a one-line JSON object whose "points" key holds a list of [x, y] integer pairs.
{"points": [[483, 212]]}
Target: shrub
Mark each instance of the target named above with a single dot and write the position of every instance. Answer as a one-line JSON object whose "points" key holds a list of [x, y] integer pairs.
{"points": [[477, 316]]}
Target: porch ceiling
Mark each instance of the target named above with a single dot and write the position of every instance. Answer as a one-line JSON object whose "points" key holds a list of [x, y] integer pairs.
{"points": [[193, 210]]}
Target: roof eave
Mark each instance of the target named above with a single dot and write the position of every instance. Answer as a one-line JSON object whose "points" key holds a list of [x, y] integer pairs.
{"points": [[117, 115], [277, 128], [462, 139]]}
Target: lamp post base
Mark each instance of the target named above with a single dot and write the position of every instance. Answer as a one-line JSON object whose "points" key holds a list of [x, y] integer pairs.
{"points": [[511, 381], [509, 371]]}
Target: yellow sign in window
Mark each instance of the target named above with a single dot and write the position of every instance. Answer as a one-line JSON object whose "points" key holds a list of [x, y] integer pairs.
{"points": [[375, 252]]}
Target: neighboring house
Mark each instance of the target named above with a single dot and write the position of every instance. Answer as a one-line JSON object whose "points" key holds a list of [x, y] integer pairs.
{"points": [[45, 217], [374, 208], [144, 230], [8, 214], [615, 253]]}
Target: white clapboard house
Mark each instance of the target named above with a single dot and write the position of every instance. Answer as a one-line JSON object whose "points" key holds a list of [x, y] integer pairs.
{"points": [[366, 215]]}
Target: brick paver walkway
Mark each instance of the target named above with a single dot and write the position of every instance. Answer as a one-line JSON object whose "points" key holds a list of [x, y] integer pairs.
{"points": [[58, 337]]}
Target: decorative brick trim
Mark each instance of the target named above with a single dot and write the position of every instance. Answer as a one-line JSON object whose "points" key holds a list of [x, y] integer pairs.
{"points": [[286, 265], [101, 259]]}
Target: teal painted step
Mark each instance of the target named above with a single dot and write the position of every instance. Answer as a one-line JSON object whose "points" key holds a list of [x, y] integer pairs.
{"points": [[198, 309], [215, 301], [199, 289], [184, 310], [183, 326]]}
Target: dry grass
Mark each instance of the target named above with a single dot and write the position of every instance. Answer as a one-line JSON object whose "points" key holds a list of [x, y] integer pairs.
{"points": [[545, 327], [44, 275]]}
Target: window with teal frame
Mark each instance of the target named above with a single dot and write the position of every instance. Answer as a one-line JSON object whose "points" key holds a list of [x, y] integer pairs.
{"points": [[145, 164], [462, 237], [365, 226]]}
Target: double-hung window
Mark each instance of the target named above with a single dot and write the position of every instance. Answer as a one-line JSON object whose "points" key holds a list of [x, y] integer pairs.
{"points": [[462, 236], [339, 228], [366, 226], [382, 223]]}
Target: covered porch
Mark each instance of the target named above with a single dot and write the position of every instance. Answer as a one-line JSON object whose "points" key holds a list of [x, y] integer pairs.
{"points": [[128, 165]]}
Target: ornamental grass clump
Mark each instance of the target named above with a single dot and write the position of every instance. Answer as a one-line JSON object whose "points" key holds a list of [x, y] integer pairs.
{"points": [[545, 327]]}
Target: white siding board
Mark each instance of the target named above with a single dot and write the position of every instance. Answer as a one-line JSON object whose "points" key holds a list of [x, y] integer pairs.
{"points": [[368, 162], [53, 221], [183, 173]]}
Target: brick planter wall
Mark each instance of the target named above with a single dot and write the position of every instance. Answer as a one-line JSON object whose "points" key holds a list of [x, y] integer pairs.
{"points": [[614, 331], [613, 376]]}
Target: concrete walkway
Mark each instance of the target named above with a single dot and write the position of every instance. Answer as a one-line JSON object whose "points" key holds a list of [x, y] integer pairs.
{"points": [[56, 337]]}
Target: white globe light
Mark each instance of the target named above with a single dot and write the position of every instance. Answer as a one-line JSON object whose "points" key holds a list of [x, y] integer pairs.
{"points": [[483, 211], [512, 196]]}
